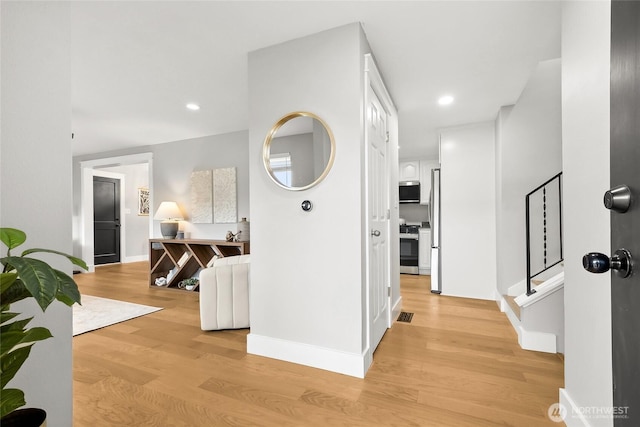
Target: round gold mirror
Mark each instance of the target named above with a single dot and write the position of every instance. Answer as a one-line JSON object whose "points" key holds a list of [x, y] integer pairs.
{"points": [[298, 151]]}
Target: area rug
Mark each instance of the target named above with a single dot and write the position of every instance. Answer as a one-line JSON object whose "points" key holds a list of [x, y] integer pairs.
{"points": [[96, 313]]}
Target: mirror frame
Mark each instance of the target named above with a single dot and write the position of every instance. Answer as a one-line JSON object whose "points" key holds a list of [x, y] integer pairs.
{"points": [[266, 147]]}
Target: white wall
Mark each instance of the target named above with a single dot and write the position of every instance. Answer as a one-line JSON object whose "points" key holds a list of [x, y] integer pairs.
{"points": [[35, 178], [468, 235], [529, 152], [172, 166], [586, 28], [307, 279]]}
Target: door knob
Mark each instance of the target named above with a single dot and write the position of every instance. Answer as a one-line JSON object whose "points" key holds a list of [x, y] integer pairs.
{"points": [[621, 262], [618, 199], [375, 233], [306, 205]]}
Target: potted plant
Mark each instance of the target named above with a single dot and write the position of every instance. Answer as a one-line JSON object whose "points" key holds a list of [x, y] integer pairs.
{"points": [[26, 277], [189, 284]]}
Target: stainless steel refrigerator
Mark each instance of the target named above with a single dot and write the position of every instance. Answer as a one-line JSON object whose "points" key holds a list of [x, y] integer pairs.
{"points": [[434, 208]]}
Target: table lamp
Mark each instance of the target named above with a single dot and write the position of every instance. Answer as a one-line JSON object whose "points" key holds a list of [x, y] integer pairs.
{"points": [[169, 214]]}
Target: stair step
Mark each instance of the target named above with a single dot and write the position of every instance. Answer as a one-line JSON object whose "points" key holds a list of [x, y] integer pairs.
{"points": [[511, 301]]}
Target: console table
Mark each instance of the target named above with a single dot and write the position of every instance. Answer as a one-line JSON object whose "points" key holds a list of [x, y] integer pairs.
{"points": [[179, 259]]}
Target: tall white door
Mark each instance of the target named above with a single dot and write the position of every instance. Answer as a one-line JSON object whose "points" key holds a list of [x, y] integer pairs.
{"points": [[376, 135]]}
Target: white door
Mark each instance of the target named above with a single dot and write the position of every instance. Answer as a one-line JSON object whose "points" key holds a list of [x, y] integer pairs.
{"points": [[377, 218]]}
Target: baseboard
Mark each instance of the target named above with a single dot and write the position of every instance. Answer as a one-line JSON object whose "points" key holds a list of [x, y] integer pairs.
{"points": [[137, 258], [355, 365], [572, 414], [537, 341], [395, 311], [91, 268]]}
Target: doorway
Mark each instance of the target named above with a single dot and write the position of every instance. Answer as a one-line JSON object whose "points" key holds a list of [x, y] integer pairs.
{"points": [[138, 235], [106, 220]]}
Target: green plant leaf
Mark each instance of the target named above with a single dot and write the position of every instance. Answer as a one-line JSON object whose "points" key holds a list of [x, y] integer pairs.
{"points": [[67, 289], [38, 277], [12, 237], [11, 363], [36, 334], [10, 339], [6, 316], [18, 325], [16, 335], [74, 260], [11, 400], [6, 280], [16, 292]]}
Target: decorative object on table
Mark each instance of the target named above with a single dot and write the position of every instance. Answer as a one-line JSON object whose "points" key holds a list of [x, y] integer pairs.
{"points": [[230, 237], [189, 284], [143, 201], [243, 230], [169, 213], [170, 275], [183, 259], [180, 235], [24, 277]]}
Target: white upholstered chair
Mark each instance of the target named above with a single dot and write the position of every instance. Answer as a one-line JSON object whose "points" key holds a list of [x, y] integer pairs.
{"points": [[224, 294]]}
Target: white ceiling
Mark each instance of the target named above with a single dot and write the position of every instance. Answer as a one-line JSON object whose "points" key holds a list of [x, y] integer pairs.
{"points": [[136, 64]]}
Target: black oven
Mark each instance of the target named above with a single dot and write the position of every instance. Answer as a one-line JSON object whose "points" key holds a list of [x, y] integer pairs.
{"points": [[409, 192], [409, 249]]}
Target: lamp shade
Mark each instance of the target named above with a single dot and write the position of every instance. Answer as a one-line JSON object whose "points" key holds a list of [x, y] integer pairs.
{"points": [[168, 211]]}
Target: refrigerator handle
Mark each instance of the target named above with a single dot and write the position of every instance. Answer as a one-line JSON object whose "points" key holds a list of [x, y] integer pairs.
{"points": [[431, 200]]}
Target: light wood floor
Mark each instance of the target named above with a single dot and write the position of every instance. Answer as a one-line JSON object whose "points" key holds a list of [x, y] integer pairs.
{"points": [[457, 363]]}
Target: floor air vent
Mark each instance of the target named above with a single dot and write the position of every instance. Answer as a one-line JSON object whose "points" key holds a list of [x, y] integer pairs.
{"points": [[405, 317]]}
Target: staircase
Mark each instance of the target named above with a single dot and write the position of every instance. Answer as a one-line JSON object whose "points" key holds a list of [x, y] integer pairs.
{"points": [[535, 307], [538, 318]]}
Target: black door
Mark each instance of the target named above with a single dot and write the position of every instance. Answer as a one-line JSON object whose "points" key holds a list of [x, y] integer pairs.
{"points": [[106, 220], [625, 227]]}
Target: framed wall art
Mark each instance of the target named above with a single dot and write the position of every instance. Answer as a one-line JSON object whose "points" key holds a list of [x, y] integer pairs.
{"points": [[143, 201]]}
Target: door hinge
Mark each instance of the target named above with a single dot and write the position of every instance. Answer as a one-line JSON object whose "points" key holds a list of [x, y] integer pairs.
{"points": [[388, 213], [389, 291], [387, 140]]}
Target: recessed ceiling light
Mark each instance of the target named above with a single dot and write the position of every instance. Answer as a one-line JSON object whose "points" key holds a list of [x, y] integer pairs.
{"points": [[193, 107], [445, 100]]}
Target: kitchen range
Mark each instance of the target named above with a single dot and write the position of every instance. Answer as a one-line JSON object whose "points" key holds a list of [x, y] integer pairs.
{"points": [[409, 256]]}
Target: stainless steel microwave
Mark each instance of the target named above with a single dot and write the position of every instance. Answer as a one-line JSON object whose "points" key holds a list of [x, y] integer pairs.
{"points": [[410, 192]]}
